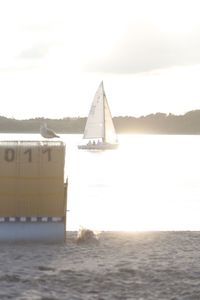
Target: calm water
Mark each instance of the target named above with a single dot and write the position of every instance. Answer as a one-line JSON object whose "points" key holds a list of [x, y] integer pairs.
{"points": [[152, 182], [149, 183]]}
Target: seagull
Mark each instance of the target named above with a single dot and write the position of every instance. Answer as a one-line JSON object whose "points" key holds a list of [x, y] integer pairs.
{"points": [[47, 132]]}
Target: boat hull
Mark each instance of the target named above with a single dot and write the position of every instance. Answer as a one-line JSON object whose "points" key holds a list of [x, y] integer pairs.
{"points": [[98, 146]]}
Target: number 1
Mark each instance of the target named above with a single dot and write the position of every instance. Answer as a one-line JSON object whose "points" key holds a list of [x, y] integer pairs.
{"points": [[48, 150], [29, 152]]}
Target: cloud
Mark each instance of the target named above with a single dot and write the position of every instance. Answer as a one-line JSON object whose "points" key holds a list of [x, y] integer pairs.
{"points": [[35, 52], [144, 35], [146, 50]]}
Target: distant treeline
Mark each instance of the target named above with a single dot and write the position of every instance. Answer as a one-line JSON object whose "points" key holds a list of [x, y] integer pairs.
{"points": [[158, 123]]}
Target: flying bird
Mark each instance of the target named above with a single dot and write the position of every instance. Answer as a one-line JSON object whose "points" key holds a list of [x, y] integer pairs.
{"points": [[47, 132]]}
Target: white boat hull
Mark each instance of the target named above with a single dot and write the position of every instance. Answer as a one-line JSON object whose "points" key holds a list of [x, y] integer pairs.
{"points": [[98, 146]]}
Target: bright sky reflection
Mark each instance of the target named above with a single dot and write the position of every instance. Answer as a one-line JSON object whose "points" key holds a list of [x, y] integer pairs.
{"points": [[149, 183]]}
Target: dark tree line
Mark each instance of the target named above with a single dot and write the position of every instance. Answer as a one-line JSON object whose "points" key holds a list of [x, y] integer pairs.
{"points": [[158, 123]]}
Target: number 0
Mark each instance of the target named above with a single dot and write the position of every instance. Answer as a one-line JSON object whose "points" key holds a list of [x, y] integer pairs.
{"points": [[9, 154]]}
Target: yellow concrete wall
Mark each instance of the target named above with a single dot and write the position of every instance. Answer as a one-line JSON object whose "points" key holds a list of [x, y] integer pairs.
{"points": [[32, 178]]}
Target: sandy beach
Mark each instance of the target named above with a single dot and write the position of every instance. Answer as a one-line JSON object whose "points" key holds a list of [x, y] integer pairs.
{"points": [[135, 265]]}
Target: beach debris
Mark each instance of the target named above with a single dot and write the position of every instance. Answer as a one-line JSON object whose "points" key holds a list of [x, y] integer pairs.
{"points": [[47, 132], [86, 236]]}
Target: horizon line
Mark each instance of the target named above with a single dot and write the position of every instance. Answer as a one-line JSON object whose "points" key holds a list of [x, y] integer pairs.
{"points": [[82, 117]]}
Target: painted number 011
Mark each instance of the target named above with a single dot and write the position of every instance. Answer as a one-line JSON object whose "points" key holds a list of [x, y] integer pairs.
{"points": [[9, 154]]}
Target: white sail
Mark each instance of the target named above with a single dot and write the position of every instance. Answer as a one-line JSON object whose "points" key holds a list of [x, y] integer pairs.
{"points": [[109, 130], [99, 124], [95, 123]]}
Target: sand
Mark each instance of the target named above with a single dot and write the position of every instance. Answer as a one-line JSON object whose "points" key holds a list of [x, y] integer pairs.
{"points": [[146, 265]]}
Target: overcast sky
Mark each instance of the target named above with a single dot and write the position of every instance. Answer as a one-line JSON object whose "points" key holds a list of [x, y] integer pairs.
{"points": [[54, 53]]}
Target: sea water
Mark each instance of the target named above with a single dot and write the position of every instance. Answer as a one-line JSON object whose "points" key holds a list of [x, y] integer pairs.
{"points": [[143, 201], [151, 182]]}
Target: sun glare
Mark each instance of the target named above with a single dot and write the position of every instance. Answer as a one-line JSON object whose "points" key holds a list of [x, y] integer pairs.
{"points": [[143, 186]]}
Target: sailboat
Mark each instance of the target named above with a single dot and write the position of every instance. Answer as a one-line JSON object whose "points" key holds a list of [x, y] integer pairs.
{"points": [[99, 130]]}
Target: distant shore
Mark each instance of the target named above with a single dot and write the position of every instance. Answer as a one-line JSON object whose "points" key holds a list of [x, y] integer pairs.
{"points": [[158, 123]]}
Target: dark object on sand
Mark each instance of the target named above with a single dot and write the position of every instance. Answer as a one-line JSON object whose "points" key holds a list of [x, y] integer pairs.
{"points": [[86, 236]]}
